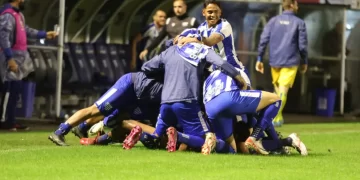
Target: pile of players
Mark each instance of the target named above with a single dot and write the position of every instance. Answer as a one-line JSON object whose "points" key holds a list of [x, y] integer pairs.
{"points": [[204, 95]]}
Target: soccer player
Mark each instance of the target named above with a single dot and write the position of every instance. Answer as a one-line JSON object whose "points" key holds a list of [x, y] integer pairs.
{"points": [[217, 33], [14, 58], [130, 91], [147, 36], [173, 27], [287, 38], [179, 100]]}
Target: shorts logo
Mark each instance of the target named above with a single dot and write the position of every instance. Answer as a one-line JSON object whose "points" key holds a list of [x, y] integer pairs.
{"points": [[108, 106], [137, 111]]}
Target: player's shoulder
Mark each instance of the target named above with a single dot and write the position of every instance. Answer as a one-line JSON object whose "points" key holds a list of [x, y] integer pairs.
{"points": [[224, 23]]}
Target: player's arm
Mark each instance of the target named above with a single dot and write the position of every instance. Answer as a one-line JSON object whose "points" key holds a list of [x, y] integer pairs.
{"points": [[35, 34], [220, 33], [7, 26], [227, 68], [158, 39], [264, 39], [154, 65], [303, 43]]}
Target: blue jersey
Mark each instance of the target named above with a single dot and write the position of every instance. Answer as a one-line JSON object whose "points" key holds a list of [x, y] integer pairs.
{"points": [[225, 48], [219, 82]]}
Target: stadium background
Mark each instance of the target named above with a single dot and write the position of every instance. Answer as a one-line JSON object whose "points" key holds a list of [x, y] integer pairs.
{"points": [[98, 34]]}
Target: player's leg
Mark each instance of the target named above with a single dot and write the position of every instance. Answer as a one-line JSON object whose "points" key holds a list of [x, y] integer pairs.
{"points": [[81, 130], [117, 96], [194, 126], [11, 92], [285, 82]]}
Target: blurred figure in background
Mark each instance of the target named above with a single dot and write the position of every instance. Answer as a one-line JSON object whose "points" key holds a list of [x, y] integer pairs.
{"points": [[14, 58], [287, 37], [147, 36], [173, 27]]}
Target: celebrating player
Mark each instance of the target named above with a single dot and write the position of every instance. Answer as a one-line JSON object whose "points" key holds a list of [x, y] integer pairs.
{"points": [[130, 91]]}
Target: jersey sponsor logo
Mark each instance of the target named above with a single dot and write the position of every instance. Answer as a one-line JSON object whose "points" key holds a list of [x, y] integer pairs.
{"points": [[285, 22], [185, 24], [108, 106]]}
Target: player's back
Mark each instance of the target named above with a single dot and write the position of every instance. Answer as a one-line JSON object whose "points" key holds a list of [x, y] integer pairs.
{"points": [[219, 82], [225, 48], [147, 89], [284, 40], [180, 80]]}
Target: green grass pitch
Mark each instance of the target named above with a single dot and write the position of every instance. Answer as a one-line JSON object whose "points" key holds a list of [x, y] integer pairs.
{"points": [[334, 154]]}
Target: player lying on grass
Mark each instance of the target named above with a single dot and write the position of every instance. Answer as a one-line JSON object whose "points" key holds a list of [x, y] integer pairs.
{"points": [[130, 91], [224, 99]]}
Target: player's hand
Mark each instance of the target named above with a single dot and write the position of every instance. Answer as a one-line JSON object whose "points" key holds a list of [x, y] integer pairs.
{"points": [[12, 65], [241, 82], [175, 40], [259, 67], [303, 68], [186, 40], [143, 54], [51, 35]]}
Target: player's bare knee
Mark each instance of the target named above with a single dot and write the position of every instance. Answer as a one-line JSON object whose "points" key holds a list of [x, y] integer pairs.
{"points": [[93, 111]]}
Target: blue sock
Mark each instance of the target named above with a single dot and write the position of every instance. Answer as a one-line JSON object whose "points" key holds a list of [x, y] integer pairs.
{"points": [[63, 129], [223, 147], [160, 128], [190, 140], [271, 145], [104, 139], [267, 115], [149, 141], [84, 127]]}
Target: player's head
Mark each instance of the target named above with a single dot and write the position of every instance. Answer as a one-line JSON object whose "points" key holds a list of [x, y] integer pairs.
{"points": [[19, 3], [179, 7], [290, 5], [211, 12], [159, 17]]}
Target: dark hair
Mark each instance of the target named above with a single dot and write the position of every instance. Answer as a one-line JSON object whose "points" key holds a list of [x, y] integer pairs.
{"points": [[286, 4], [207, 2]]}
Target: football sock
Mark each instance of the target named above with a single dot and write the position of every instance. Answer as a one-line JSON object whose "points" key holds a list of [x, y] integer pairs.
{"points": [[190, 140], [286, 141], [160, 128], [103, 139], [84, 127], [271, 145], [267, 115], [63, 129], [279, 116], [223, 147], [148, 140]]}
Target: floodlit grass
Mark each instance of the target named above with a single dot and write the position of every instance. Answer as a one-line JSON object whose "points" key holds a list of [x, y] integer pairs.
{"points": [[334, 154]]}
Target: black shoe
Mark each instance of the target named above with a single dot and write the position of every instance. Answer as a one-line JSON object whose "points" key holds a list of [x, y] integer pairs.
{"points": [[77, 132], [4, 126], [58, 140]]}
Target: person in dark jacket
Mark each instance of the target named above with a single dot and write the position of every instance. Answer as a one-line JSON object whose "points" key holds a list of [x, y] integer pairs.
{"points": [[287, 39], [14, 58]]}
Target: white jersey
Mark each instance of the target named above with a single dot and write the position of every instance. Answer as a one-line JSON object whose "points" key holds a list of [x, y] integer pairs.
{"points": [[225, 48], [219, 82]]}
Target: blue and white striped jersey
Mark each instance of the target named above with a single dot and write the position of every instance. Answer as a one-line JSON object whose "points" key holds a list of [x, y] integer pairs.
{"points": [[225, 48], [218, 82]]}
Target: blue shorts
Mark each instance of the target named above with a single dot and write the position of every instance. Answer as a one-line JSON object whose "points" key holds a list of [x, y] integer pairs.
{"points": [[119, 98], [187, 114], [222, 109]]}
